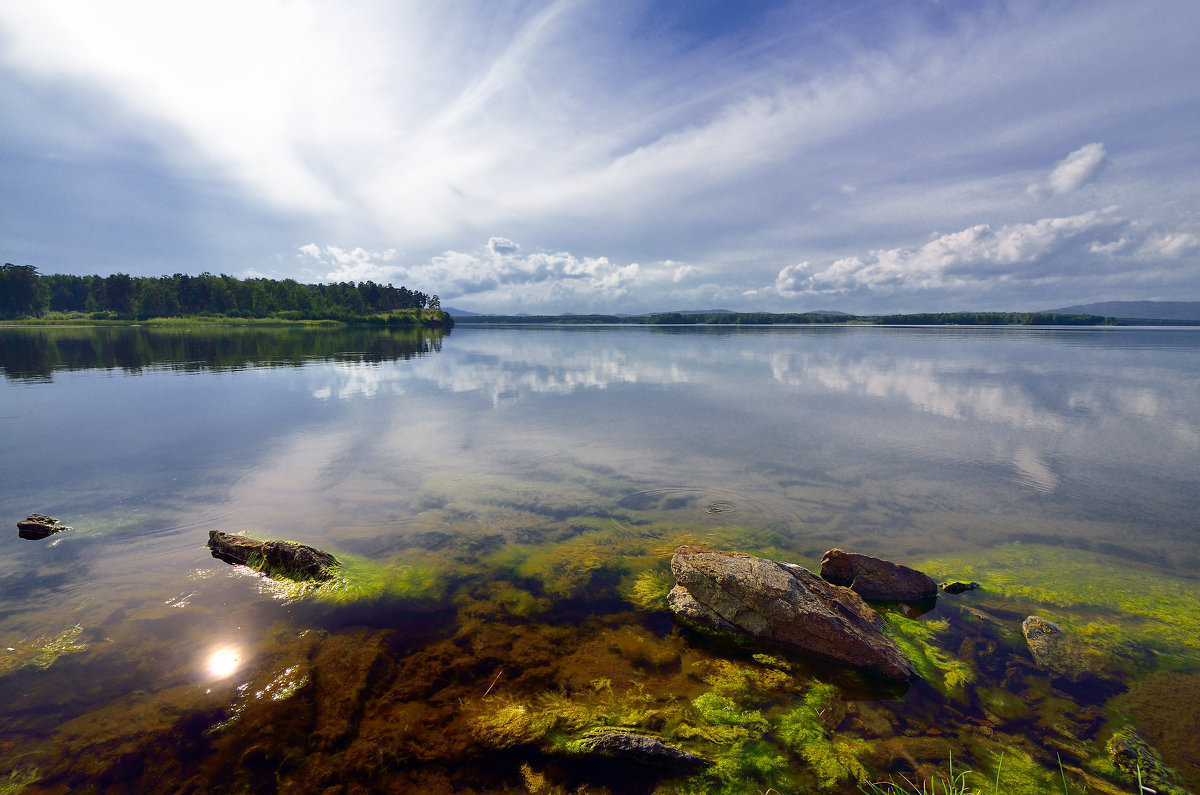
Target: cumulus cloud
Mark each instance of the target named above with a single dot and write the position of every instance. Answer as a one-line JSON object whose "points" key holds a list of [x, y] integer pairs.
{"points": [[1073, 171], [502, 245], [976, 254], [682, 271], [353, 265], [1173, 245], [501, 275]]}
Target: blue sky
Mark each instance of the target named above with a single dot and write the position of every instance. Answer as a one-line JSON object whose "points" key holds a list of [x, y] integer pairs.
{"points": [[579, 156]]}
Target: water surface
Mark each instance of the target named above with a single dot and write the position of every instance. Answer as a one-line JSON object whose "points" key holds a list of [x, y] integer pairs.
{"points": [[501, 493]]}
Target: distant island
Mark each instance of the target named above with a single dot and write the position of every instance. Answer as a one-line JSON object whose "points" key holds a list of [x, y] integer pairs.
{"points": [[29, 296], [1142, 312], [802, 318], [1111, 313]]}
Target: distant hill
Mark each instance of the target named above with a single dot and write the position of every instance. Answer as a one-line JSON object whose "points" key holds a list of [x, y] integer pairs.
{"points": [[697, 312], [1140, 310], [452, 312]]}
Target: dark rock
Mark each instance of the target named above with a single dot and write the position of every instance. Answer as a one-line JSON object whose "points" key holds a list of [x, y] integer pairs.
{"points": [[1059, 653], [1134, 757], [874, 579], [37, 526], [644, 750], [959, 587], [274, 558], [782, 604]]}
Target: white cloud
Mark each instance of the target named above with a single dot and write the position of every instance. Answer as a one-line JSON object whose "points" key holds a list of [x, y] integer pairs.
{"points": [[975, 254], [1109, 248], [682, 271], [501, 245], [1073, 171], [1173, 245]]}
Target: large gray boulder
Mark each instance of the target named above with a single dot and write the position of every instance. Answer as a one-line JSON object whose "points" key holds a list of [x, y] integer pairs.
{"points": [[876, 580], [277, 559], [782, 604]]}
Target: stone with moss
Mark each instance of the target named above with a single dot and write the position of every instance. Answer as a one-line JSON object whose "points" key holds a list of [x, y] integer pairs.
{"points": [[1134, 757], [284, 559], [1060, 653], [643, 749], [37, 526]]}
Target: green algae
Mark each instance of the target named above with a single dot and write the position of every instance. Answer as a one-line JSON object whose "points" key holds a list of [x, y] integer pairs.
{"points": [[916, 639], [649, 589], [805, 730], [358, 579], [20, 779], [1113, 605], [40, 652]]}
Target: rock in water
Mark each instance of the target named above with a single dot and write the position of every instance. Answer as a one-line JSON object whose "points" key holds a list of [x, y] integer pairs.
{"points": [[876, 580], [956, 587], [1059, 653], [644, 750], [37, 526], [273, 558], [785, 605]]}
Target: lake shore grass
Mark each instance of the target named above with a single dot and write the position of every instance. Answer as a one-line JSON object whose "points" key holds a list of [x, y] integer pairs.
{"points": [[399, 317]]}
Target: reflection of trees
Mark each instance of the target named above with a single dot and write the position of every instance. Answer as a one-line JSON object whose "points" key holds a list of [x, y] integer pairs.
{"points": [[34, 354]]}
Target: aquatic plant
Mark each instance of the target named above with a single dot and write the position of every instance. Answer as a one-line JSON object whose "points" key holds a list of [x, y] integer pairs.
{"points": [[40, 652], [357, 579], [916, 639], [503, 722], [805, 729], [1159, 612], [19, 779], [648, 589]]}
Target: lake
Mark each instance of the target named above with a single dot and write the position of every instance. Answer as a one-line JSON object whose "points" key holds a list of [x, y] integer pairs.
{"points": [[505, 502]]}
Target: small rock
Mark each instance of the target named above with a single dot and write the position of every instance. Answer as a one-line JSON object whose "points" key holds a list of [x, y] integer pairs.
{"points": [[37, 526], [274, 558], [1059, 653], [645, 750], [876, 580], [959, 587]]}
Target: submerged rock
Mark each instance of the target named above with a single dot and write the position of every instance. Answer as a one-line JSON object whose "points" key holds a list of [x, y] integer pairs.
{"points": [[37, 526], [782, 604], [1059, 653], [876, 580], [644, 750], [274, 558], [956, 587], [1134, 757]]}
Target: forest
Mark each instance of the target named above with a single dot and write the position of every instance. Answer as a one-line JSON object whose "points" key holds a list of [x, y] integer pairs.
{"points": [[804, 318], [26, 293]]}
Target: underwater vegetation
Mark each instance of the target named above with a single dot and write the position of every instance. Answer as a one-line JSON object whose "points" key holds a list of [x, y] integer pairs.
{"points": [[1115, 606], [510, 624], [916, 639], [40, 652]]}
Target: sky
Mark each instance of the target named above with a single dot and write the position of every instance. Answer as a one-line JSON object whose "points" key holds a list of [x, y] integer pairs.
{"points": [[868, 156]]}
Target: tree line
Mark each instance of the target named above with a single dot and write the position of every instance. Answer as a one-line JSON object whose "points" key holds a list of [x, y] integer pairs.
{"points": [[26, 293], [803, 318]]}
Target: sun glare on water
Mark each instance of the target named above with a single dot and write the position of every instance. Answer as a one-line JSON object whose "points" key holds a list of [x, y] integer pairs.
{"points": [[224, 662]]}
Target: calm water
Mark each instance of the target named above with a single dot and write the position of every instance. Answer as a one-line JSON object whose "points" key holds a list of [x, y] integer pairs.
{"points": [[500, 491]]}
